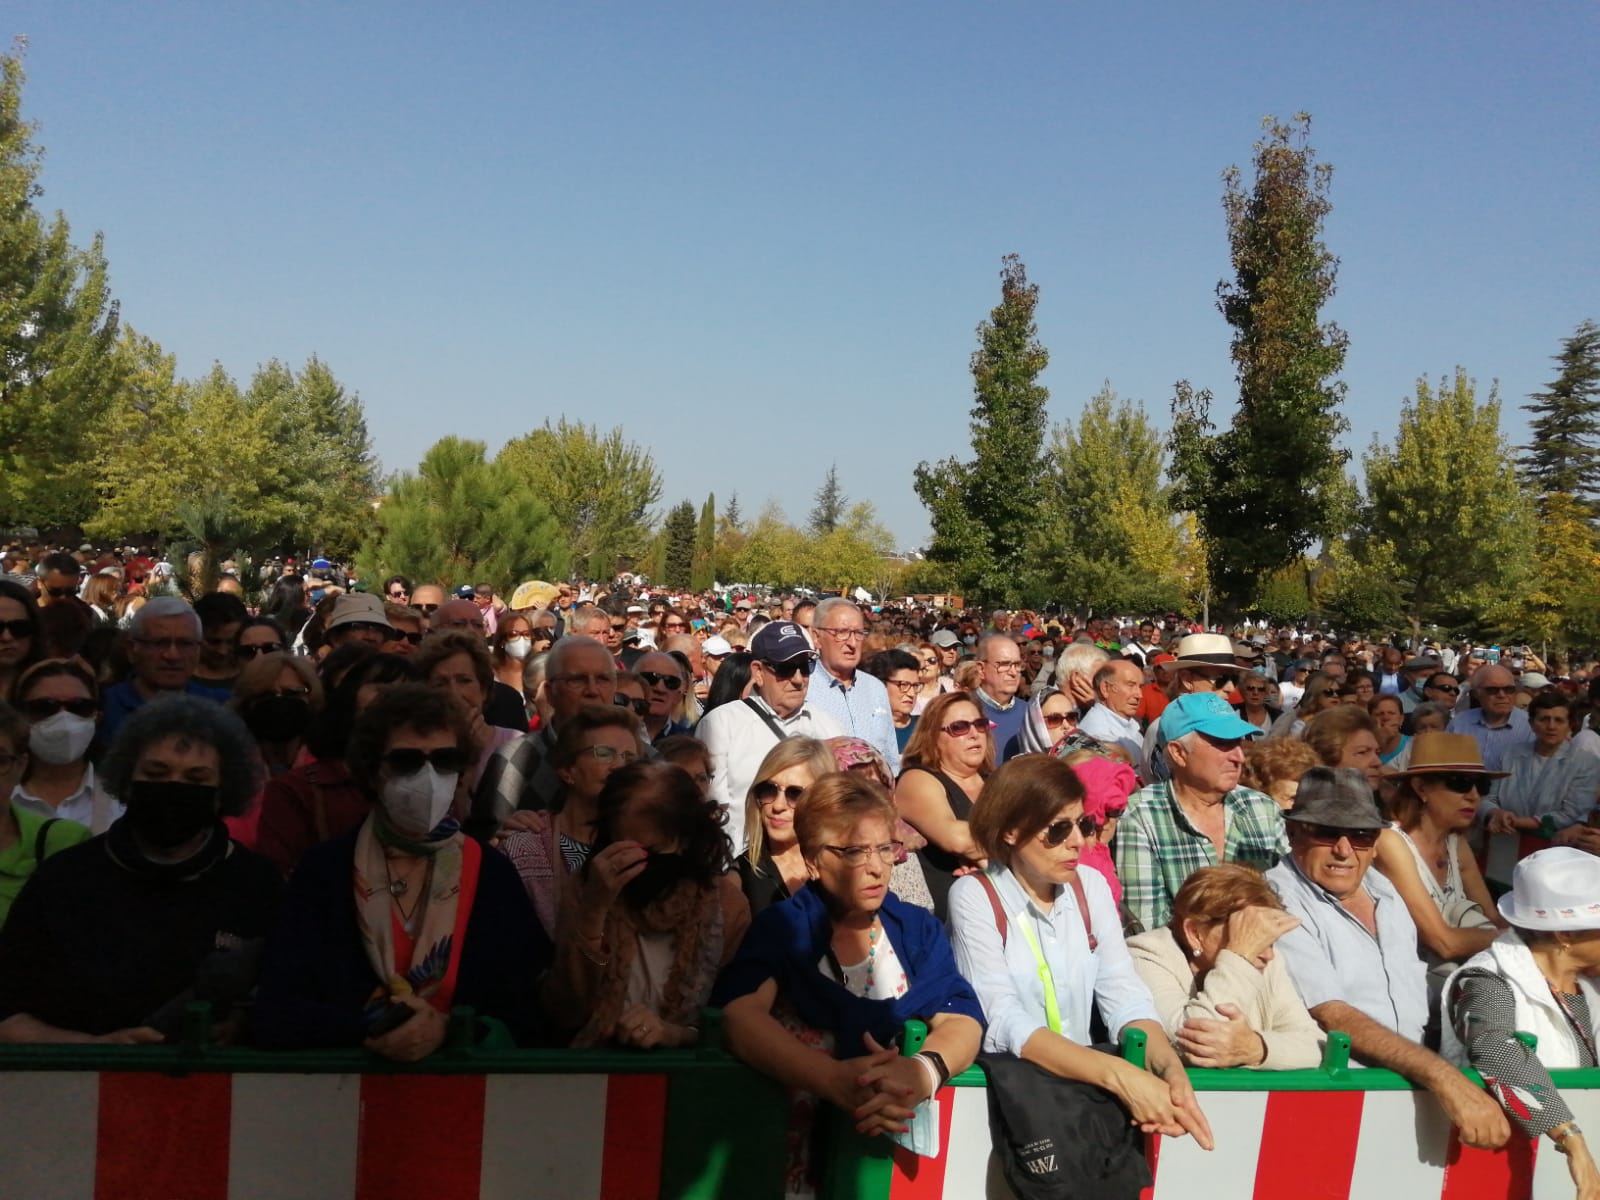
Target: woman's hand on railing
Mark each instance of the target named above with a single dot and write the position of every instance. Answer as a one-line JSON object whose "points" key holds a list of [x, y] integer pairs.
{"points": [[420, 1036], [137, 1035], [1230, 1042], [644, 1029]]}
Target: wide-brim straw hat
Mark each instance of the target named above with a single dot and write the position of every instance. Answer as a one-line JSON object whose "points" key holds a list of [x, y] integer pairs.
{"points": [[1446, 754], [1205, 650]]}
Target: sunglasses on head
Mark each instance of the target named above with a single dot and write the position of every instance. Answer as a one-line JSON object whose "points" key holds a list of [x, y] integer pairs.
{"points": [[1057, 832], [1460, 781], [447, 760], [655, 679], [17, 629], [962, 728], [1329, 835], [767, 791], [42, 709], [261, 648], [641, 706], [787, 670]]}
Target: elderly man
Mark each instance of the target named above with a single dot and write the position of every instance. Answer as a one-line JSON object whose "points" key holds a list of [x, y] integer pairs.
{"points": [[1201, 816], [858, 703], [1415, 676], [427, 599], [999, 680], [1353, 956], [739, 734], [578, 671], [1497, 724], [163, 651], [663, 693], [1118, 688], [1204, 664]]}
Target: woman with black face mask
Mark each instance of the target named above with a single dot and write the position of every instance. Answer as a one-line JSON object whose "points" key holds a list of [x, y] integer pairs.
{"points": [[278, 695], [657, 915], [112, 939]]}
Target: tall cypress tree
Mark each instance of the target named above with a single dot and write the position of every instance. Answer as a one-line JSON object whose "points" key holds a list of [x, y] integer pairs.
{"points": [[680, 536], [705, 543], [1564, 453], [1273, 482], [984, 512]]}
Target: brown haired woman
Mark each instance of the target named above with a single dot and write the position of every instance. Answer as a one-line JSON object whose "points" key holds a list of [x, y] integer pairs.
{"points": [[945, 763]]}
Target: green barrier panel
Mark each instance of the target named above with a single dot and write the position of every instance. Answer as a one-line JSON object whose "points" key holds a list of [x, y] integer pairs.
{"points": [[852, 1165]]}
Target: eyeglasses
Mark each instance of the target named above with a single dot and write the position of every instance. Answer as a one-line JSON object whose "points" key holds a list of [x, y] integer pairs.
{"points": [[402, 635], [426, 610], [404, 760], [397, 596], [671, 625], [1460, 782], [766, 792], [619, 628], [597, 681], [1006, 668], [182, 645], [1329, 835], [962, 728], [607, 754], [1448, 688], [1057, 832], [43, 709], [299, 693], [655, 679], [905, 685], [17, 629], [787, 670], [261, 648], [856, 857], [641, 706], [844, 635], [1498, 689]]}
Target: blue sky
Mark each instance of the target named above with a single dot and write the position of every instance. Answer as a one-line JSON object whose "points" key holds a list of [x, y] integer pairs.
{"points": [[760, 237]]}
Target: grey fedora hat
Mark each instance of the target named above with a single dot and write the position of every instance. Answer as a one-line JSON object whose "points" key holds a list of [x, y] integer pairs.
{"points": [[1335, 796]]}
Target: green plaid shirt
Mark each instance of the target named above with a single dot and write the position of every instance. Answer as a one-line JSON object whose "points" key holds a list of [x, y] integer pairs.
{"points": [[1157, 848]]}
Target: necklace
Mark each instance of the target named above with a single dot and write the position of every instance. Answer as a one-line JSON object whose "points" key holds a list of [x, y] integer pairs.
{"points": [[399, 887], [872, 953]]}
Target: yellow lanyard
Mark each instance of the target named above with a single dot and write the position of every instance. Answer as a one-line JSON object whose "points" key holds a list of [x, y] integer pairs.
{"points": [[1052, 1010]]}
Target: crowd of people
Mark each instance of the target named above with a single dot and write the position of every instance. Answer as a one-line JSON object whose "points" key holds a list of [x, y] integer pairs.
{"points": [[587, 813]]}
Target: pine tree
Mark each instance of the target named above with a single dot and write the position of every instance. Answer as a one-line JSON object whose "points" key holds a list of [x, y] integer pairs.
{"points": [[983, 512], [731, 516], [705, 544], [1272, 483], [830, 506], [1564, 454], [680, 534]]}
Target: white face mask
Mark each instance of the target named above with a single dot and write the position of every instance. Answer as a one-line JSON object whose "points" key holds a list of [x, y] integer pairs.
{"points": [[969, 640], [519, 647], [61, 739], [415, 804]]}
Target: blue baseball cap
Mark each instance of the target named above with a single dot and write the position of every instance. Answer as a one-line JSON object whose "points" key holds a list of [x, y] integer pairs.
{"points": [[780, 641], [1203, 712]]}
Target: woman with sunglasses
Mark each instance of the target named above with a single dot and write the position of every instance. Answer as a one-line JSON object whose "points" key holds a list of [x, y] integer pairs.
{"points": [[1254, 706], [1424, 854], [772, 868], [946, 762], [61, 701], [1059, 956], [1051, 718], [20, 642], [427, 919], [933, 683], [1321, 693], [258, 636], [826, 980]]}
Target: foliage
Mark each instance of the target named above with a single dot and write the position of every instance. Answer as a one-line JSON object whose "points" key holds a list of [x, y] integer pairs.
{"points": [[1563, 606], [601, 489], [1284, 597], [855, 554], [1446, 503], [984, 511], [731, 516], [1358, 587], [464, 519], [1266, 488], [1106, 537], [1564, 454], [58, 335], [830, 506], [705, 543], [680, 529]]}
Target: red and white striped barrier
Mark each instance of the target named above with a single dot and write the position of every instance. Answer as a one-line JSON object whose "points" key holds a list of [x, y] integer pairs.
{"points": [[82, 1135], [1291, 1145]]}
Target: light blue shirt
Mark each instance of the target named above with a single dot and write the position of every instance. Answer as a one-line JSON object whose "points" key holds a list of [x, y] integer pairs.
{"points": [[1563, 785], [861, 709], [1007, 976], [1106, 726], [1331, 956], [1493, 741]]}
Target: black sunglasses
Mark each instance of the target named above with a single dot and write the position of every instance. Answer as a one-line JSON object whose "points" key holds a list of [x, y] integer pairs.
{"points": [[1059, 831], [395, 635], [261, 648], [42, 709], [17, 629], [639, 706], [767, 792], [787, 670], [1461, 781], [447, 760], [671, 682], [1329, 835], [426, 609], [61, 593]]}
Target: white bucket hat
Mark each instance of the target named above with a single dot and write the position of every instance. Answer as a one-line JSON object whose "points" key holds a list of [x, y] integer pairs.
{"points": [[1554, 889]]}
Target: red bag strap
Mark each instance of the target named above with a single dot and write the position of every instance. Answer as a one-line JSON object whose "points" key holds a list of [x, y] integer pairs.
{"points": [[994, 903], [1083, 910]]}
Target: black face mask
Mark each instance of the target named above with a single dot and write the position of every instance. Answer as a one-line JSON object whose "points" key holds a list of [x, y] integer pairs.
{"points": [[661, 873], [169, 814], [278, 718]]}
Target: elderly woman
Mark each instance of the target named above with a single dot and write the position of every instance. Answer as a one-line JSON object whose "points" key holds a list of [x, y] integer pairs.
{"points": [[1274, 766], [1050, 720], [1321, 694], [1535, 978], [1388, 715], [457, 661], [1345, 736], [945, 764], [388, 926], [1550, 785], [1224, 998], [110, 939], [1059, 956], [1425, 855], [772, 867], [657, 916], [826, 980], [61, 701]]}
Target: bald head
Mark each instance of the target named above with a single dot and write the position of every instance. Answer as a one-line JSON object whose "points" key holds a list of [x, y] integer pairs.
{"points": [[459, 614], [1496, 689]]}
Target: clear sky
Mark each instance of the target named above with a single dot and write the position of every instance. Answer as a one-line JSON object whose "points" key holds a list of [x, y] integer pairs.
{"points": [[760, 237]]}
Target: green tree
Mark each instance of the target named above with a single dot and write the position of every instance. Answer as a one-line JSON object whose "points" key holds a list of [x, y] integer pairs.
{"points": [[1563, 605], [731, 516], [463, 519], [1269, 486], [600, 487], [830, 505], [1358, 587], [1446, 505], [774, 552], [1564, 453], [1106, 536], [705, 545], [58, 335], [983, 512], [680, 529]]}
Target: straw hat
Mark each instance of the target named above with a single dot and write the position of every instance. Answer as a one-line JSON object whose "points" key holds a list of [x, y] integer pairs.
{"points": [[1205, 650], [1446, 754]]}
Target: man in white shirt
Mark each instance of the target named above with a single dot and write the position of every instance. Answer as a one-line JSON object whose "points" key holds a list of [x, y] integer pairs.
{"points": [[739, 734], [1118, 687]]}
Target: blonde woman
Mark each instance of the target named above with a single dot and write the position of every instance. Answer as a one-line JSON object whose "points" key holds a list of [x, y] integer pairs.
{"points": [[772, 867]]}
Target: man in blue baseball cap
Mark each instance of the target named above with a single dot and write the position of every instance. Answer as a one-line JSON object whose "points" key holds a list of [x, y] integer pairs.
{"points": [[1199, 817]]}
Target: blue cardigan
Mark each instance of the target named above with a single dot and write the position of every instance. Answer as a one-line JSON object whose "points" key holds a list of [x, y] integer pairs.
{"points": [[788, 940]]}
